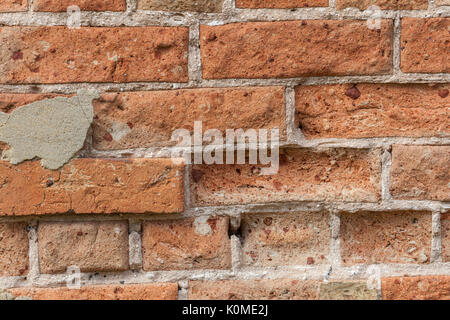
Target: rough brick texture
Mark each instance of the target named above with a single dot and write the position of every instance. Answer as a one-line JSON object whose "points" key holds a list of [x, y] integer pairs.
{"points": [[422, 45], [445, 230], [181, 5], [92, 186], [13, 5], [154, 291], [147, 119], [60, 54], [304, 175], [420, 172], [442, 2], [13, 249], [379, 110], [84, 5], [295, 49], [286, 239], [347, 290], [385, 237], [195, 243], [383, 4], [280, 3], [91, 246], [416, 288]]}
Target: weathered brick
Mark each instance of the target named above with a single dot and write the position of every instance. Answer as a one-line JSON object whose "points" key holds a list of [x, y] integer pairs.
{"points": [[181, 5], [92, 186], [383, 4], [295, 48], [416, 288], [91, 246], [13, 249], [272, 4], [154, 291], [84, 5], [346, 290], [279, 289], [13, 5], [445, 230], [372, 110], [385, 237], [420, 172], [286, 239], [423, 43], [304, 175], [194, 243], [88, 54], [147, 119], [442, 2]]}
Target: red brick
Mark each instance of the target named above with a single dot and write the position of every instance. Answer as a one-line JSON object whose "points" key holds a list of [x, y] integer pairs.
{"points": [[194, 243], [147, 119], [181, 5], [61, 55], [304, 175], [423, 44], [383, 4], [154, 291], [416, 288], [13, 5], [271, 4], [92, 186], [91, 246], [385, 237], [420, 172], [445, 230], [279, 289], [84, 5], [381, 110], [295, 49], [13, 249], [286, 239]]}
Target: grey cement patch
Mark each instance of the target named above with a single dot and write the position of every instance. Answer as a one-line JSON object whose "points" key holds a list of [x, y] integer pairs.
{"points": [[52, 129]]}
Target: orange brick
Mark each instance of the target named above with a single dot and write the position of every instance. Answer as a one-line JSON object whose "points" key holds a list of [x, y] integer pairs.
{"points": [[304, 175], [84, 5], [61, 55], [91, 246], [155, 291], [295, 49], [194, 243], [13, 249], [92, 186], [279, 289], [420, 172], [148, 119], [272, 4], [416, 288], [385, 237], [13, 5], [286, 239], [372, 110], [181, 5], [445, 230], [423, 44], [383, 4]]}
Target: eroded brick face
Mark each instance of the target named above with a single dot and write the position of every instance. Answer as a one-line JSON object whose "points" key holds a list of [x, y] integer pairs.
{"points": [[84, 5], [383, 4], [445, 230], [416, 288], [385, 237], [295, 49], [62, 55], [286, 239], [13, 249], [304, 175], [181, 5], [280, 3], [91, 246], [194, 243], [13, 5], [92, 186], [420, 172]]}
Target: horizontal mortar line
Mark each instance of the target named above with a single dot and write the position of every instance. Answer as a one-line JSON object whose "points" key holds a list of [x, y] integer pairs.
{"points": [[234, 211], [225, 83], [356, 272]]}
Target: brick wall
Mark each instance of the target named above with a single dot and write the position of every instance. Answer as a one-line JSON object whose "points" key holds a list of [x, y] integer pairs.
{"points": [[359, 209]]}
